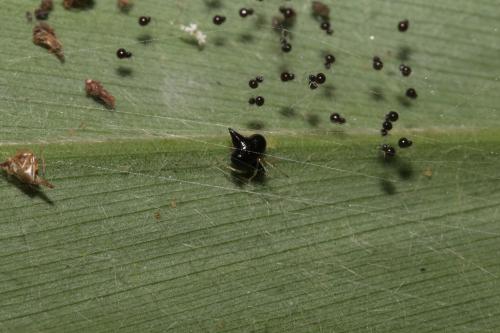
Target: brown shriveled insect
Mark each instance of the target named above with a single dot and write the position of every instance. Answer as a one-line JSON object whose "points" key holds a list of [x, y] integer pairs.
{"points": [[47, 5], [124, 5], [44, 36], [95, 90], [42, 12], [24, 166], [78, 4], [320, 9]]}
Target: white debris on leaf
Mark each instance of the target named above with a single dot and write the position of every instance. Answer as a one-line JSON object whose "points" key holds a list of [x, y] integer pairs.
{"points": [[192, 29]]}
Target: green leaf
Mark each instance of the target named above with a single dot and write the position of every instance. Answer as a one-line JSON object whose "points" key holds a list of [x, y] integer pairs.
{"points": [[149, 230]]}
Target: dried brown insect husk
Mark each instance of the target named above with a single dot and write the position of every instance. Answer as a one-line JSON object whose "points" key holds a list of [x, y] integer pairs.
{"points": [[77, 4], [125, 5], [320, 9], [24, 166], [47, 5], [44, 36], [96, 90]]}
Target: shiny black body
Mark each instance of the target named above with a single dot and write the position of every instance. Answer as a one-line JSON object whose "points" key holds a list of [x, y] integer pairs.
{"points": [[248, 152]]}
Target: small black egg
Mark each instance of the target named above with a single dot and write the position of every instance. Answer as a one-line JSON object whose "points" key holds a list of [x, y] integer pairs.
{"points": [[218, 19], [259, 100], [404, 143], [387, 125], [403, 25], [411, 93], [325, 26], [320, 78], [390, 151], [251, 101], [144, 20], [244, 12], [377, 63], [337, 118], [392, 116], [288, 13], [405, 70], [329, 59], [286, 47], [253, 84]]}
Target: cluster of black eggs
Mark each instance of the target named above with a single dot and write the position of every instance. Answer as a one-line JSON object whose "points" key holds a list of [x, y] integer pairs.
{"points": [[248, 152], [387, 124], [121, 53], [254, 83], [405, 70], [259, 101], [316, 80], [286, 76], [389, 151]]}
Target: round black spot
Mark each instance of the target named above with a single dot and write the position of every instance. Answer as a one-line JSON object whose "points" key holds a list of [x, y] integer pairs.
{"points": [[313, 85], [312, 78], [259, 100], [253, 84], [377, 63], [144, 20], [390, 151], [292, 76], [329, 59], [325, 26], [288, 13], [337, 118], [251, 101], [244, 12], [320, 78], [405, 70], [121, 53], [260, 79], [387, 125], [392, 116], [403, 25], [218, 19], [411, 93], [285, 76], [287, 47], [383, 132], [404, 143]]}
